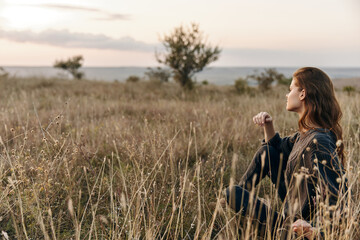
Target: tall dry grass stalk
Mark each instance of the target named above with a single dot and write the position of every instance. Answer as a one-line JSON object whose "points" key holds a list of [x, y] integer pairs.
{"points": [[95, 160]]}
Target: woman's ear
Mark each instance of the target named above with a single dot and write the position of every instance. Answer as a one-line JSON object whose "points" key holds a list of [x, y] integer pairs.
{"points": [[302, 95]]}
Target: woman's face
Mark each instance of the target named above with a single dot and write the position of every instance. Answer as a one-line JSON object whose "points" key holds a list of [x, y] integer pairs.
{"points": [[295, 98]]}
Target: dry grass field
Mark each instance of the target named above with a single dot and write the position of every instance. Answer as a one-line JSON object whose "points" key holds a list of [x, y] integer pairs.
{"points": [[96, 160]]}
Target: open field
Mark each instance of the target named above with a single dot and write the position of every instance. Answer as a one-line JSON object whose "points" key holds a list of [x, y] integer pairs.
{"points": [[96, 160]]}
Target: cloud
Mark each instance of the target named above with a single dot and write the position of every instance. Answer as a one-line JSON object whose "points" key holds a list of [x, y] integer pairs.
{"points": [[111, 17], [67, 7], [65, 38], [106, 15], [228, 57]]}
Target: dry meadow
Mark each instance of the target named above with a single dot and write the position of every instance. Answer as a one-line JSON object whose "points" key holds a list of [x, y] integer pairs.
{"points": [[96, 160]]}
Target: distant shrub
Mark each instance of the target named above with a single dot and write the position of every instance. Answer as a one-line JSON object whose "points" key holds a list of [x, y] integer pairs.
{"points": [[284, 81], [266, 78], [241, 85], [44, 83], [133, 79], [349, 89], [158, 74], [205, 82], [3, 73]]}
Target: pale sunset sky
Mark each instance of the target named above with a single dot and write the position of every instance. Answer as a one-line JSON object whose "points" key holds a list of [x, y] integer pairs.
{"points": [[126, 33]]}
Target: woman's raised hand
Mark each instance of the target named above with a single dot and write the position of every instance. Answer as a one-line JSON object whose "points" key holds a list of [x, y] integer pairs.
{"points": [[303, 228], [262, 118]]}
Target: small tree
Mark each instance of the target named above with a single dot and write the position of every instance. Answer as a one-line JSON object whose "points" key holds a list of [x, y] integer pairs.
{"points": [[266, 78], [158, 74], [241, 85], [187, 53], [71, 65]]}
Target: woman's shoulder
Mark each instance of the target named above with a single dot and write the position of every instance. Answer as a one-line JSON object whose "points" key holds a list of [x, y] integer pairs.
{"points": [[322, 135], [321, 140]]}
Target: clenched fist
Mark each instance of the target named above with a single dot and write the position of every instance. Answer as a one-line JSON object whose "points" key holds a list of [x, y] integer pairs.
{"points": [[262, 118]]}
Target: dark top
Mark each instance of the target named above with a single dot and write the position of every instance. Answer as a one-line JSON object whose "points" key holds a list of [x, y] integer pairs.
{"points": [[312, 169]]}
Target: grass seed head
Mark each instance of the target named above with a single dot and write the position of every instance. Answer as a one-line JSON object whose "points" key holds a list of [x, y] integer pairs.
{"points": [[339, 143], [71, 207]]}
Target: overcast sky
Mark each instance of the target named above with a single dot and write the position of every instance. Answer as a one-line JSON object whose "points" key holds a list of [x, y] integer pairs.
{"points": [[126, 33]]}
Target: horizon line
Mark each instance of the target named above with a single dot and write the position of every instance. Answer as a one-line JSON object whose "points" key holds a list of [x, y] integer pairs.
{"points": [[218, 66]]}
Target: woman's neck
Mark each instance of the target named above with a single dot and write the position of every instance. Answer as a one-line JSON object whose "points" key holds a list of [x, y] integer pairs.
{"points": [[310, 126]]}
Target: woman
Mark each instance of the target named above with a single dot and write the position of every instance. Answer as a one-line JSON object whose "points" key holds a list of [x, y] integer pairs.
{"points": [[306, 168]]}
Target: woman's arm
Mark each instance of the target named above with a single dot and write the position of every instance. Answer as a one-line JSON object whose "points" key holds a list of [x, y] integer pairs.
{"points": [[264, 120]]}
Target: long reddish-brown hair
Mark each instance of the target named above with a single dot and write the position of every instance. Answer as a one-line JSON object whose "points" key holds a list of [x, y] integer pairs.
{"points": [[321, 105]]}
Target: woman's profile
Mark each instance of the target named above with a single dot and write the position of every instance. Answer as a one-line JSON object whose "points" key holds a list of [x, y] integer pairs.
{"points": [[307, 167]]}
